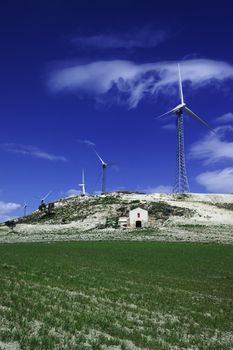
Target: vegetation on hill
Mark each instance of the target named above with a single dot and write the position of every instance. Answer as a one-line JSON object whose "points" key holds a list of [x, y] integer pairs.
{"points": [[110, 206]]}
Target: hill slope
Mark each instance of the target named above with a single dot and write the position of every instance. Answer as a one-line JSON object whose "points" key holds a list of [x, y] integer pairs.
{"points": [[167, 213]]}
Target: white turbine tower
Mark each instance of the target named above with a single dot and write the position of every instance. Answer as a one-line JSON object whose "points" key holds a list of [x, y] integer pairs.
{"points": [[82, 185], [25, 208], [104, 169], [181, 183]]}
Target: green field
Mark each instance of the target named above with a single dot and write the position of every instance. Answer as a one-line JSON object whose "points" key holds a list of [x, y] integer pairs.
{"points": [[116, 295]]}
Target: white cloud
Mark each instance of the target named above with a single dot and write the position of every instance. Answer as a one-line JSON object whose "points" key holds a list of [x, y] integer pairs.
{"points": [[214, 148], [129, 82], [218, 181], [143, 38], [97, 193], [29, 150], [7, 208], [72, 192], [4, 218], [225, 118], [170, 126], [88, 143], [159, 189]]}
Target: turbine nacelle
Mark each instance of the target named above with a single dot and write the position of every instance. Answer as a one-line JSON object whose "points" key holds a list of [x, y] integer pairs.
{"points": [[179, 109], [25, 208], [104, 164]]}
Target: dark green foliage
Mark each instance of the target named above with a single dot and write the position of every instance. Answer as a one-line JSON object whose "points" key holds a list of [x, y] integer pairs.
{"points": [[164, 210], [50, 207], [112, 222], [131, 192], [42, 207], [11, 224], [181, 196], [228, 206], [135, 204]]}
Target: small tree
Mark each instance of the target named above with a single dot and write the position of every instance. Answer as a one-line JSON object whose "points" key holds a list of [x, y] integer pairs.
{"points": [[42, 207], [11, 224], [50, 208]]}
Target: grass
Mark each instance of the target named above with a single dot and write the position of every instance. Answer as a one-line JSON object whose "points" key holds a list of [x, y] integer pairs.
{"points": [[116, 295]]}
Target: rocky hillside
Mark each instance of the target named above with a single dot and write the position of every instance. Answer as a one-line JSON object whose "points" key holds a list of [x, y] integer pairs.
{"points": [[103, 211], [187, 217]]}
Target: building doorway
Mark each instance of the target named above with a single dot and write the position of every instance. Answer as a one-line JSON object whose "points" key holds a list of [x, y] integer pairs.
{"points": [[138, 223]]}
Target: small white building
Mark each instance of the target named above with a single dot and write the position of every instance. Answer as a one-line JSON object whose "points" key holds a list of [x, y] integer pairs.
{"points": [[123, 222], [138, 217]]}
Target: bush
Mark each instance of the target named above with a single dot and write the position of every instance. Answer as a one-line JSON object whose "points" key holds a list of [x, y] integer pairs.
{"points": [[11, 224]]}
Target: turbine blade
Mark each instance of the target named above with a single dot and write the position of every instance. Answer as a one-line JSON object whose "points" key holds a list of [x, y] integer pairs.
{"points": [[169, 112], [100, 158], [180, 86], [192, 114], [83, 176], [47, 195]]}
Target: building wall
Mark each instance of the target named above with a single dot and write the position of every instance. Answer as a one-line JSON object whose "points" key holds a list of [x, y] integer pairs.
{"points": [[123, 222], [138, 214]]}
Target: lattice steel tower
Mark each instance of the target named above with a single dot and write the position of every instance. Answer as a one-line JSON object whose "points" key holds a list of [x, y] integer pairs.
{"points": [[181, 184]]}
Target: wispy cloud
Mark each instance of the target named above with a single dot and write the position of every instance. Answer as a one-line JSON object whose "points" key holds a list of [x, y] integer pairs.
{"points": [[214, 148], [7, 208], [170, 126], [159, 189], [225, 118], [143, 38], [88, 143], [29, 150], [72, 193], [128, 82], [218, 181], [4, 218]]}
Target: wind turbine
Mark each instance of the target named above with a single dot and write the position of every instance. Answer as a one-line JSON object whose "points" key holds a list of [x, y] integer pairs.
{"points": [[25, 208], [104, 169], [181, 183], [42, 200], [46, 196], [82, 185]]}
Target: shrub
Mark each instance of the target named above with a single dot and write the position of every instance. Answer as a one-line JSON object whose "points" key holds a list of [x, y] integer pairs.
{"points": [[11, 224]]}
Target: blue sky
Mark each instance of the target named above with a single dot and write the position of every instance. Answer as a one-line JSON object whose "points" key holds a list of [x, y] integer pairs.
{"points": [[82, 75]]}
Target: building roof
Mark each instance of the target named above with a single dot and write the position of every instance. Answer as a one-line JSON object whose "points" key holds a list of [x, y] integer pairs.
{"points": [[123, 218], [138, 209]]}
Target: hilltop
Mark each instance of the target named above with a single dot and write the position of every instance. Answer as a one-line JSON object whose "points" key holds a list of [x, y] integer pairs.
{"points": [[202, 217]]}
